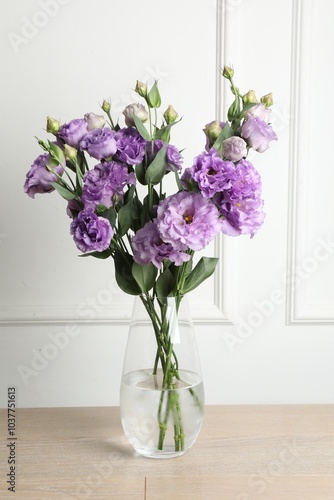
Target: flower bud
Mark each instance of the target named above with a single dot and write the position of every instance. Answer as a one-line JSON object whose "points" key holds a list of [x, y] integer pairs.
{"points": [[141, 89], [52, 125], [228, 72], [70, 153], [170, 115], [234, 148], [213, 129], [94, 121], [135, 109], [106, 106], [267, 100], [249, 98]]}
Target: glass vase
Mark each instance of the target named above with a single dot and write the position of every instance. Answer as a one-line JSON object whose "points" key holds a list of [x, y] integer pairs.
{"points": [[161, 395]]}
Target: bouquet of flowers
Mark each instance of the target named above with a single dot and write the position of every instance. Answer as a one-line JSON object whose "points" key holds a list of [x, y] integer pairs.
{"points": [[119, 208]]}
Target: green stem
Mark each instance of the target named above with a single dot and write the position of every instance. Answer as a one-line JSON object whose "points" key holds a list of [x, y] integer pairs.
{"points": [[169, 402]]}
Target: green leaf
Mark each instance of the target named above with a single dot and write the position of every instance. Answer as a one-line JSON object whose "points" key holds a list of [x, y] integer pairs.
{"points": [[163, 133], [203, 270], [63, 191], [234, 109], [128, 197], [165, 284], [157, 169], [140, 174], [81, 162], [153, 97], [125, 218], [246, 108], [141, 128], [109, 214], [224, 134], [144, 275], [78, 177], [123, 273], [99, 255], [56, 153]]}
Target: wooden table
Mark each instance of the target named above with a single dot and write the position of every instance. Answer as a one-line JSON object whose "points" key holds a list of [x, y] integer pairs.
{"points": [[243, 453]]}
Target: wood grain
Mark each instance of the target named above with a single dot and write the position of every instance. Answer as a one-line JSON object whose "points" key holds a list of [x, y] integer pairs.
{"points": [[243, 453]]}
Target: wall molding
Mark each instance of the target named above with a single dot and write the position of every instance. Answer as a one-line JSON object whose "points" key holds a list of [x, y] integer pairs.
{"points": [[214, 312], [300, 309]]}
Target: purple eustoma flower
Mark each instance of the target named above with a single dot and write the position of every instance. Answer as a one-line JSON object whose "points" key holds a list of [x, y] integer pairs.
{"points": [[188, 220], [246, 217], [130, 146], [257, 133], [99, 143], [39, 177], [211, 173], [104, 184], [148, 247], [241, 205], [90, 232], [72, 132]]}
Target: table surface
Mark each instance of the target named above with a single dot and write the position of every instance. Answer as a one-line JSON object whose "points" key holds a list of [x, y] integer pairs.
{"points": [[267, 452]]}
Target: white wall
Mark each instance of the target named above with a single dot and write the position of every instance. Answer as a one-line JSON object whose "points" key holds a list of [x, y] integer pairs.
{"points": [[265, 322]]}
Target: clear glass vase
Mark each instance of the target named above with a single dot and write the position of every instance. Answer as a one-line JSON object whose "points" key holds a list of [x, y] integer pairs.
{"points": [[162, 395]]}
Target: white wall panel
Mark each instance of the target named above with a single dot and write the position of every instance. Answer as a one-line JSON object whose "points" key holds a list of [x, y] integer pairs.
{"points": [[69, 68], [265, 331], [310, 271]]}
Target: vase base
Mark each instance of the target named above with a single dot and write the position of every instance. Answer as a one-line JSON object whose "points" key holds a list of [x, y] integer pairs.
{"points": [[161, 454], [153, 418]]}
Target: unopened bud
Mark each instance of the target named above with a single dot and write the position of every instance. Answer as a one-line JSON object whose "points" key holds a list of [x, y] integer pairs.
{"points": [[106, 106], [94, 121], [141, 89], [52, 125], [213, 129], [170, 115], [267, 100], [135, 109], [249, 98], [228, 72], [70, 153]]}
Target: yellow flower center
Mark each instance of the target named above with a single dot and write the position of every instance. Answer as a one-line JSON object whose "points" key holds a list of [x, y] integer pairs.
{"points": [[188, 219]]}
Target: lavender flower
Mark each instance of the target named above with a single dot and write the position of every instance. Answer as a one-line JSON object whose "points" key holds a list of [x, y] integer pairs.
{"points": [[211, 173], [261, 111], [188, 220], [90, 232], [72, 132], [148, 247], [105, 183], [134, 109], [99, 143], [94, 121], [245, 218], [257, 133], [130, 146], [234, 148], [39, 177], [241, 205]]}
